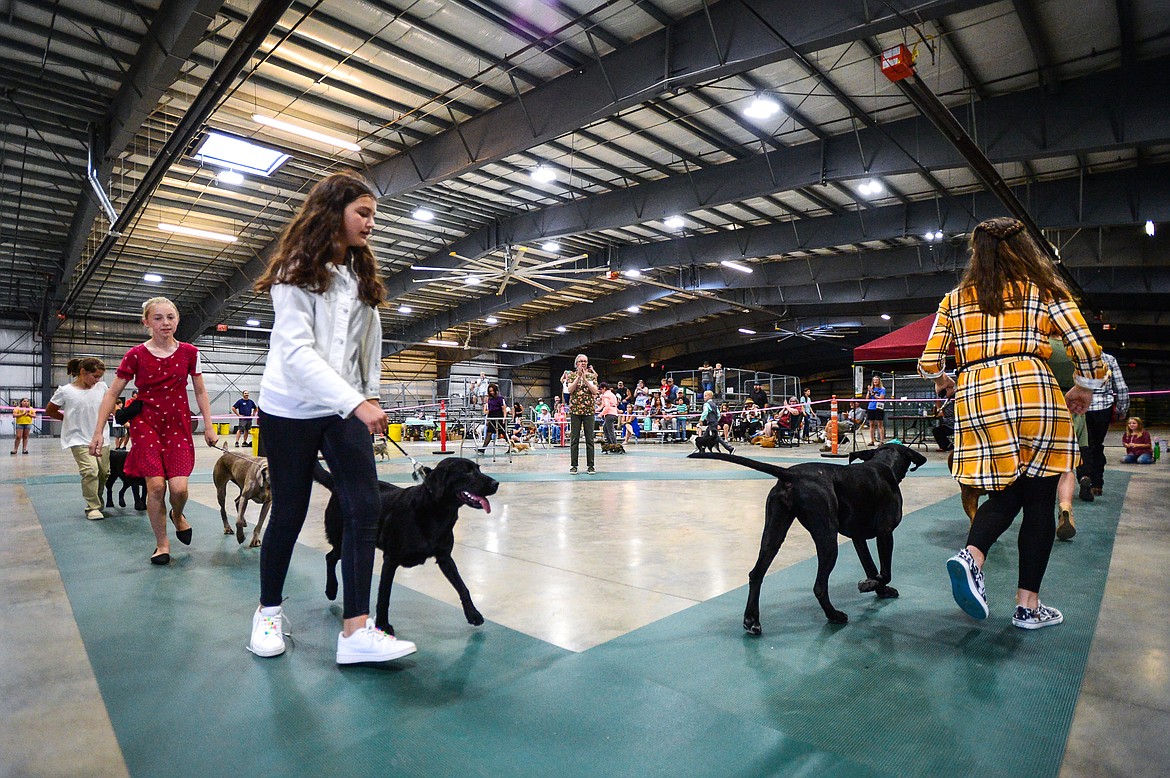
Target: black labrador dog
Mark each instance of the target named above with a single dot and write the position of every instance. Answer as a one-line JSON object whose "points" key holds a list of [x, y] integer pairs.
{"points": [[860, 502], [136, 485], [415, 524]]}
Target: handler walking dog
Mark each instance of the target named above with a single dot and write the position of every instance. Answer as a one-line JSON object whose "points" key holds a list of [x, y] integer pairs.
{"points": [[858, 501], [250, 474]]}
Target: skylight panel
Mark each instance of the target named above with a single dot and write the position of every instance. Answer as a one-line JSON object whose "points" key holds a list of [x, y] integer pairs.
{"points": [[228, 151]]}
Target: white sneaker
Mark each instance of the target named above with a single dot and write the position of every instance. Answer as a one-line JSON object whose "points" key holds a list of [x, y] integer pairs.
{"points": [[267, 632], [93, 514], [370, 644]]}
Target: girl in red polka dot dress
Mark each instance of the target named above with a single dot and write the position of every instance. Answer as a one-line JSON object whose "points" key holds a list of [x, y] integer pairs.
{"points": [[163, 452]]}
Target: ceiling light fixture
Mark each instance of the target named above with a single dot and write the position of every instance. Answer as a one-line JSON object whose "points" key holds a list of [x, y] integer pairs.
{"points": [[574, 298], [405, 309], [562, 328], [934, 235], [551, 246], [543, 173], [871, 187], [627, 356], [746, 331], [674, 222], [633, 273], [1150, 228], [492, 320], [253, 322], [232, 153], [423, 214], [230, 177], [633, 309], [197, 233], [735, 266], [152, 278], [471, 281], [305, 132], [503, 345], [885, 317], [437, 342], [762, 107]]}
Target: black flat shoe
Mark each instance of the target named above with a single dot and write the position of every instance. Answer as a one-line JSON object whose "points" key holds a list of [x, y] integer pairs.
{"points": [[160, 559], [184, 535]]}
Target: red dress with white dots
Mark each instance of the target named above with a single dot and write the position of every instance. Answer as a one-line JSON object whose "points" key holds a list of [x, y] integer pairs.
{"points": [[160, 436]]}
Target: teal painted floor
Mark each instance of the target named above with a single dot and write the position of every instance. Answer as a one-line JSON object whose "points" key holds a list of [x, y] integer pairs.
{"points": [[909, 687]]}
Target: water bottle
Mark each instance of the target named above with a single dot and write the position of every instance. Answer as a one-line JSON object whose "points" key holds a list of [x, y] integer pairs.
{"points": [[1157, 451]]}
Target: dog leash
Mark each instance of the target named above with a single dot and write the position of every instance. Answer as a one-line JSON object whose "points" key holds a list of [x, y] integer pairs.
{"points": [[419, 472]]}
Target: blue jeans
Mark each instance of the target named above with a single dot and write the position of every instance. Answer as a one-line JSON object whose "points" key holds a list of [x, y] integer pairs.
{"points": [[292, 446], [1139, 459]]}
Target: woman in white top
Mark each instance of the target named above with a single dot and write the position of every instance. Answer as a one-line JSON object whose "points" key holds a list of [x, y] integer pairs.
{"points": [[319, 393], [76, 405]]}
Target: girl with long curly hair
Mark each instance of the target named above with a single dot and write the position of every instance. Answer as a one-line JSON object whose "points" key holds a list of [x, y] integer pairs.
{"points": [[1013, 433], [319, 393]]}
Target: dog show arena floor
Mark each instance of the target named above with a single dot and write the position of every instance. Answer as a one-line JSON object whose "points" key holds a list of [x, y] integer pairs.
{"points": [[613, 643]]}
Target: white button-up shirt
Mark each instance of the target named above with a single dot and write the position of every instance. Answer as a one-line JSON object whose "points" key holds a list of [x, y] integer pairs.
{"points": [[325, 353]]}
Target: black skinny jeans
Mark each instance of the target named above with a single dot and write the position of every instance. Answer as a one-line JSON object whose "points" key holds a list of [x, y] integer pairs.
{"points": [[1037, 498], [292, 446], [1097, 426], [577, 422]]}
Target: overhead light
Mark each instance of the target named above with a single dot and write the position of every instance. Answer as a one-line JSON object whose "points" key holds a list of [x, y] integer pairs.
{"points": [[885, 317], [761, 107], [405, 309], [1150, 228], [236, 154], [735, 266], [633, 309], [543, 173], [437, 342], [871, 187], [305, 132], [503, 345], [674, 222], [746, 331], [152, 278], [230, 177], [471, 281], [575, 298], [562, 328], [627, 356], [253, 322], [934, 235], [423, 214], [551, 246], [492, 320], [632, 273], [197, 233]]}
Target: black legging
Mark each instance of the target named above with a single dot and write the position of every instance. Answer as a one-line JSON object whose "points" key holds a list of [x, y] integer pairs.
{"points": [[1037, 497], [292, 446]]}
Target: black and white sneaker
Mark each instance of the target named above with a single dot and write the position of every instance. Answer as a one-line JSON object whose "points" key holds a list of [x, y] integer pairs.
{"points": [[1035, 618], [967, 584]]}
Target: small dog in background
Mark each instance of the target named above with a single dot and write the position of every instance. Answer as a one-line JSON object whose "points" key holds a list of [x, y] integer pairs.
{"points": [[613, 448], [519, 446], [381, 448], [135, 484]]}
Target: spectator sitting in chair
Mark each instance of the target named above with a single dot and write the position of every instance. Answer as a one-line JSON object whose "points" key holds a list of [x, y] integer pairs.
{"points": [[726, 421], [753, 420]]}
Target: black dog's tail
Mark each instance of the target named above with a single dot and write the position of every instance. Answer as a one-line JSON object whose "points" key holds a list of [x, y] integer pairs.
{"points": [[323, 476], [772, 470]]}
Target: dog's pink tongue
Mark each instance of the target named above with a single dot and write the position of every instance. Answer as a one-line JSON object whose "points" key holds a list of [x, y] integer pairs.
{"points": [[483, 503]]}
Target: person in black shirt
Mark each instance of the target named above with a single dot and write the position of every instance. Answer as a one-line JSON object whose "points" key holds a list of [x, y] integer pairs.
{"points": [[760, 397]]}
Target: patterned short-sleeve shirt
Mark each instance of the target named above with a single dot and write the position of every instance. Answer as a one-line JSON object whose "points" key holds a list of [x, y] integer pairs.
{"points": [[580, 401]]}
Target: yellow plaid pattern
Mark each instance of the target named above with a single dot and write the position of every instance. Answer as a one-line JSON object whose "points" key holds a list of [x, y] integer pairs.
{"points": [[1010, 415]]}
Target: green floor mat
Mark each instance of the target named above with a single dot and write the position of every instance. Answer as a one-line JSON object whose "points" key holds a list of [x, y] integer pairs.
{"points": [[909, 687]]}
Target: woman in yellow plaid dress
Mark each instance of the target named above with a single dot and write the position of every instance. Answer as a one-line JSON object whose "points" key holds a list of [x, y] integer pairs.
{"points": [[1013, 432]]}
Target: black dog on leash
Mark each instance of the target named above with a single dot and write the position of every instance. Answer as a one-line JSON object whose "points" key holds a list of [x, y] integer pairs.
{"points": [[415, 524], [136, 485], [858, 501]]}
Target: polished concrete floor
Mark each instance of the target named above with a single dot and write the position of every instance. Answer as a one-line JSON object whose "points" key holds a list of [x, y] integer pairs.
{"points": [[576, 562]]}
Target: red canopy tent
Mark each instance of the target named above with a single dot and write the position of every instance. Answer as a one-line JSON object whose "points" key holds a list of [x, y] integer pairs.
{"points": [[904, 343]]}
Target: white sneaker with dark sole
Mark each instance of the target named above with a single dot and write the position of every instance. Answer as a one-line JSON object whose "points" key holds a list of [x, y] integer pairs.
{"points": [[967, 584], [370, 644], [1035, 618], [267, 632]]}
